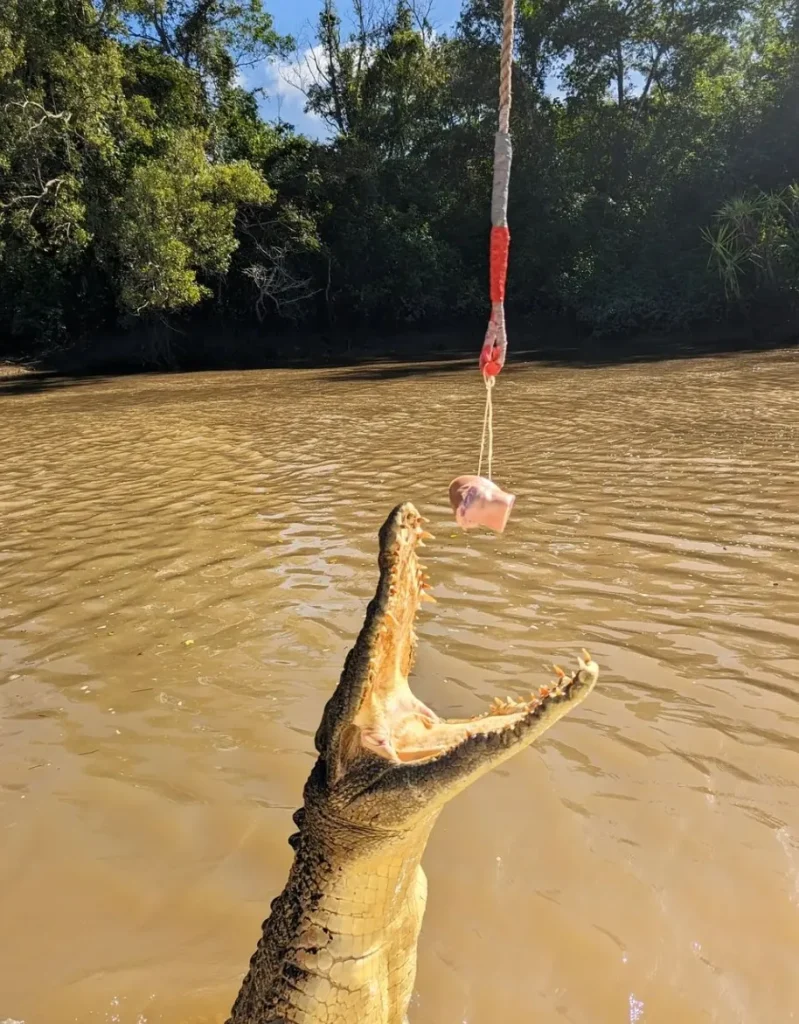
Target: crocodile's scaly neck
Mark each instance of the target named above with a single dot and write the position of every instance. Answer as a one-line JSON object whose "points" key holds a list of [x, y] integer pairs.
{"points": [[348, 916]]}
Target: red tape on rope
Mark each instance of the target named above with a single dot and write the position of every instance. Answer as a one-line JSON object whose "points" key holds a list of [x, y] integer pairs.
{"points": [[492, 356], [500, 246]]}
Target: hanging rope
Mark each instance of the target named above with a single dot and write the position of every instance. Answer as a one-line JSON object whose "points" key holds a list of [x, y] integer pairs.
{"points": [[488, 431], [495, 345]]}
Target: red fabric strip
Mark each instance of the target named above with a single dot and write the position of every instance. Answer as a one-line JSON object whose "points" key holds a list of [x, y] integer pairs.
{"points": [[500, 246]]}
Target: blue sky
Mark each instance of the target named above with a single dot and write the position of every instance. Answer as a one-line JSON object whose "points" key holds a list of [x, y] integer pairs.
{"points": [[298, 18]]}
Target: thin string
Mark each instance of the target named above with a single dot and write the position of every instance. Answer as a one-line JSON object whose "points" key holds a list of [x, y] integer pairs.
{"points": [[488, 428]]}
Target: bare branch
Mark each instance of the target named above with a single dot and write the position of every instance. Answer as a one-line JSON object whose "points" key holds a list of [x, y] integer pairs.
{"points": [[63, 116], [277, 285], [36, 198]]}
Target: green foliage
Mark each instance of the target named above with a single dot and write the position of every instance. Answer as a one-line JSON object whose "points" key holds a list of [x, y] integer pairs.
{"points": [[176, 220], [755, 244], [213, 37], [655, 152], [111, 197]]}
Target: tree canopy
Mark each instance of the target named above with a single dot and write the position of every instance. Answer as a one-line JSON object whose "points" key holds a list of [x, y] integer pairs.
{"points": [[656, 161]]}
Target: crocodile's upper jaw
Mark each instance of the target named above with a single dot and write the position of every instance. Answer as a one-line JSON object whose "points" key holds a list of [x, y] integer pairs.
{"points": [[389, 758]]}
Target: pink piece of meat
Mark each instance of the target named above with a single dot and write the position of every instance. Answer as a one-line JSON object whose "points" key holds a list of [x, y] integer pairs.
{"points": [[479, 502]]}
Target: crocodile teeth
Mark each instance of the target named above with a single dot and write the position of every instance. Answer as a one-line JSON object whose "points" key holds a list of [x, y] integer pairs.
{"points": [[424, 596], [503, 707]]}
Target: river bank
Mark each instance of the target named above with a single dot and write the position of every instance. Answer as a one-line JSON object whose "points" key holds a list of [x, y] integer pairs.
{"points": [[208, 347]]}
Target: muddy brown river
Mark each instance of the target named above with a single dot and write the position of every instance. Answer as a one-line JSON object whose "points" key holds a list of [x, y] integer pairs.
{"points": [[184, 561]]}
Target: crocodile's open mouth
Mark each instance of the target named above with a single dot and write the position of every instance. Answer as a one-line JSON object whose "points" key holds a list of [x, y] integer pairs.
{"points": [[392, 722]]}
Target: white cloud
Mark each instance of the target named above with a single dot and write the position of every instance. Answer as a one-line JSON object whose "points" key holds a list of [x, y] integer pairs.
{"points": [[284, 83]]}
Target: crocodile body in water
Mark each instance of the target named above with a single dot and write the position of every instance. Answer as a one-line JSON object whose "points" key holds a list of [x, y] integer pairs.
{"points": [[340, 944]]}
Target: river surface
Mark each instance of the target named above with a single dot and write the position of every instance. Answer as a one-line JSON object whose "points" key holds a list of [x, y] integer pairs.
{"points": [[184, 561]]}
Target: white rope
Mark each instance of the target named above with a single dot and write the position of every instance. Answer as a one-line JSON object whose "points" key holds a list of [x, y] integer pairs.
{"points": [[488, 429]]}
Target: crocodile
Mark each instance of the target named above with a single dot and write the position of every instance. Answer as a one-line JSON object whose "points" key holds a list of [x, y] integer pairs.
{"points": [[339, 946]]}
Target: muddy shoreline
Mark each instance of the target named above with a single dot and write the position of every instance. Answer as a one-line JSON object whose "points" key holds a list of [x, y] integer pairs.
{"points": [[228, 347]]}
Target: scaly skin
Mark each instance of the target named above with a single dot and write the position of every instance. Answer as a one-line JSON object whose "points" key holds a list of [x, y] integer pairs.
{"points": [[340, 944]]}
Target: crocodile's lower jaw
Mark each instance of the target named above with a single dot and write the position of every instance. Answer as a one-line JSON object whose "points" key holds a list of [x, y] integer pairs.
{"points": [[340, 944]]}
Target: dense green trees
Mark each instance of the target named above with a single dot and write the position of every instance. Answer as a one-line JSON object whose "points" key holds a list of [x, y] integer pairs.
{"points": [[656, 155]]}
